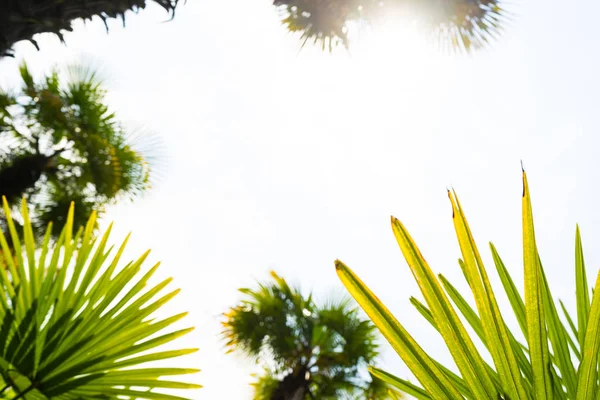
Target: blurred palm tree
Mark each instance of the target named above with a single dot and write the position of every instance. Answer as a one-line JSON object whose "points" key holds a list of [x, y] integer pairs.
{"points": [[308, 351], [465, 24], [22, 19], [60, 143]]}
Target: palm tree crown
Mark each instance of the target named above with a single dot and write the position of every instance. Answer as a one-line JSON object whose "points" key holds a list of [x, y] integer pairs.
{"points": [[61, 143], [309, 352], [465, 24]]}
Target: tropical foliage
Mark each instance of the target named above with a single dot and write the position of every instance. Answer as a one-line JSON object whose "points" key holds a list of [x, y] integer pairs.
{"points": [[22, 19], [75, 324], [464, 24], [558, 360], [309, 352], [59, 143]]}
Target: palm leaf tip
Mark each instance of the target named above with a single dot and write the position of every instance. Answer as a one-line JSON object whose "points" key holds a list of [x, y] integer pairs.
{"points": [[469, 24], [318, 21], [23, 19], [552, 363]]}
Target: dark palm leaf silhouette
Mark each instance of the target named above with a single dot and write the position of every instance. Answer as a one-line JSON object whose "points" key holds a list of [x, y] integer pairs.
{"points": [[22, 19]]}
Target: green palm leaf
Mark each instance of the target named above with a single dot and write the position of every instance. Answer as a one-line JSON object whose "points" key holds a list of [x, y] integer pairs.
{"points": [[76, 325], [550, 365]]}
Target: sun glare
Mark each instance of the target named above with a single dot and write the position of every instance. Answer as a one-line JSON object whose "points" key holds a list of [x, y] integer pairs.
{"points": [[396, 41], [399, 57]]}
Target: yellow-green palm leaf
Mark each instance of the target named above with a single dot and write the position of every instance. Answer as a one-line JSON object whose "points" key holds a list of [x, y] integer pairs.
{"points": [[559, 359], [76, 324]]}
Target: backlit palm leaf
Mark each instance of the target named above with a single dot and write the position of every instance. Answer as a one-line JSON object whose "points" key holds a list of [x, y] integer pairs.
{"points": [[463, 24], [559, 359], [75, 324]]}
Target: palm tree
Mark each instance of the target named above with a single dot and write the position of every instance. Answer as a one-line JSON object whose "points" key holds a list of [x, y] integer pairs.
{"points": [[59, 143], [22, 19], [308, 352], [466, 24], [75, 323]]}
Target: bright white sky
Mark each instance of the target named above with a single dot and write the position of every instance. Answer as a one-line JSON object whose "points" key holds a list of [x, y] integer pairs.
{"points": [[282, 160]]}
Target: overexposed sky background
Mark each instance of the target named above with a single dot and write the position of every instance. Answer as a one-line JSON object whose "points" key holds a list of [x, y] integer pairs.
{"points": [[286, 160]]}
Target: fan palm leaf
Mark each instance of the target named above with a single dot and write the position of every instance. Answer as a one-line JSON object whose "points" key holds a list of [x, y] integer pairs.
{"points": [[463, 24], [77, 325]]}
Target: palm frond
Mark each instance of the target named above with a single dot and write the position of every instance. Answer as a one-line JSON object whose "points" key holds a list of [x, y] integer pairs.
{"points": [[458, 24], [265, 385], [76, 324], [269, 320], [22, 19], [351, 336], [551, 364]]}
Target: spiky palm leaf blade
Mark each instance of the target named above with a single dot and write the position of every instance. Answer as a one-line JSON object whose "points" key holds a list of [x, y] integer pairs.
{"points": [[466, 25], [22, 19], [463, 24], [559, 359], [321, 349], [76, 324]]}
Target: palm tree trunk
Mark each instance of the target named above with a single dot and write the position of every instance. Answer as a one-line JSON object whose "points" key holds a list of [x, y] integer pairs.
{"points": [[293, 387], [291, 393], [300, 394], [23, 174]]}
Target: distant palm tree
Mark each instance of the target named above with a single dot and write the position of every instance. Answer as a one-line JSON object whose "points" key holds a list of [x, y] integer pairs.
{"points": [[60, 143], [308, 352], [21, 19], [466, 24]]}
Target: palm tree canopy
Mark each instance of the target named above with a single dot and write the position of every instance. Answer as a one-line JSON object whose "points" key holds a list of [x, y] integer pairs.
{"points": [[77, 324], [22, 19], [466, 24], [326, 348], [61, 143]]}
